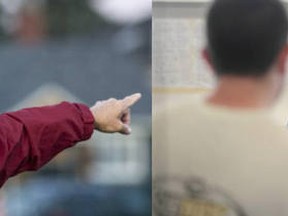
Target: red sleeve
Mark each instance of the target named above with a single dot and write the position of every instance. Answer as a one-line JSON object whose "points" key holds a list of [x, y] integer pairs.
{"points": [[31, 137]]}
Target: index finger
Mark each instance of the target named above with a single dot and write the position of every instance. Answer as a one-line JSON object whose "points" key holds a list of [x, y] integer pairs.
{"points": [[131, 100]]}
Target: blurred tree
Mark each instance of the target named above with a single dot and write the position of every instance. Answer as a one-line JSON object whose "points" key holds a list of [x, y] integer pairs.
{"points": [[65, 17], [4, 35]]}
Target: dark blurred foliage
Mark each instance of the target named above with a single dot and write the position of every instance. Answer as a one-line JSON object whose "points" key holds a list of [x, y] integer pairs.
{"points": [[63, 18], [66, 17]]}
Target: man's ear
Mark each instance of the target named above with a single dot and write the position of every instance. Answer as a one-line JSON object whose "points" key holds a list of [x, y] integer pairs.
{"points": [[282, 59], [207, 58]]}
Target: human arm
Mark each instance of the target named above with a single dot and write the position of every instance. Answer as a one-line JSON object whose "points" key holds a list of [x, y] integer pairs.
{"points": [[30, 138]]}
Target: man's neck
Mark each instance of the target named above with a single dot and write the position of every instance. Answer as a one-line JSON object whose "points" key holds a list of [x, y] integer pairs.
{"points": [[242, 93]]}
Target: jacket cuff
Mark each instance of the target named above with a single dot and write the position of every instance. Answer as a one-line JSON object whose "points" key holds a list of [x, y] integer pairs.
{"points": [[88, 120]]}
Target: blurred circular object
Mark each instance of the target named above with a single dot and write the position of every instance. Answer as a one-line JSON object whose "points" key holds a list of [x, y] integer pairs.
{"points": [[123, 11]]}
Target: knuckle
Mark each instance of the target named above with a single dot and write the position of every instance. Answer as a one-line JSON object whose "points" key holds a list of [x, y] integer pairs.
{"points": [[117, 104], [113, 100]]}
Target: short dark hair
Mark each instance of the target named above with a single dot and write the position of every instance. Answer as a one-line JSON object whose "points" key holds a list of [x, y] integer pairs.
{"points": [[246, 36]]}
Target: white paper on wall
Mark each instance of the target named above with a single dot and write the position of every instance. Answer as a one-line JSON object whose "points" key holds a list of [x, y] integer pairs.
{"points": [[177, 47]]}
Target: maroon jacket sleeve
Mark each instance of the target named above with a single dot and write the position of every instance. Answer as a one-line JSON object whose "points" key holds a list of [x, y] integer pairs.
{"points": [[31, 137]]}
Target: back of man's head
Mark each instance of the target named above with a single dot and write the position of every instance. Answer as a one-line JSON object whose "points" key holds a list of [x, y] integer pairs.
{"points": [[245, 37]]}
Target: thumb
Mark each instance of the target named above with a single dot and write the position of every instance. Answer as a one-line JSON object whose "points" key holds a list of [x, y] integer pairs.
{"points": [[125, 129]]}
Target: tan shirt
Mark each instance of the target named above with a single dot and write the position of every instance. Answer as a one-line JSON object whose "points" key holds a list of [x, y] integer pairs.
{"points": [[239, 157]]}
